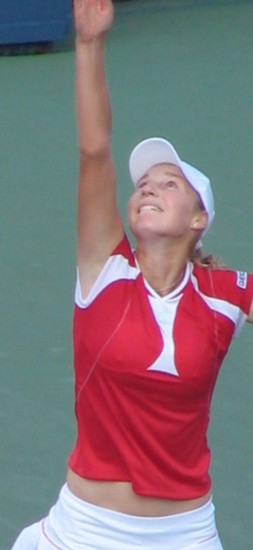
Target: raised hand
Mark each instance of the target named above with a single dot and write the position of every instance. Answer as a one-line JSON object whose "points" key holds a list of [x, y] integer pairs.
{"points": [[92, 18]]}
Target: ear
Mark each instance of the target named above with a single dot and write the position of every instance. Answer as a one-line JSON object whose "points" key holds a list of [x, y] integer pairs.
{"points": [[199, 221]]}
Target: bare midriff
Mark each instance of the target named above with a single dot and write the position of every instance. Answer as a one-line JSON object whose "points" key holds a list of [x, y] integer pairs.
{"points": [[120, 497]]}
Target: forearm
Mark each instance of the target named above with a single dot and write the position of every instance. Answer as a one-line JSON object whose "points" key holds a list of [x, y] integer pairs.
{"points": [[93, 107]]}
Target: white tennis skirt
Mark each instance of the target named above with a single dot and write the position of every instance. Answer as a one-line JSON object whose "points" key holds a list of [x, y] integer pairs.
{"points": [[73, 524]]}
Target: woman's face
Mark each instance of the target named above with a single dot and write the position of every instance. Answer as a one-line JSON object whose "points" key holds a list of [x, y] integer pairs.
{"points": [[164, 204]]}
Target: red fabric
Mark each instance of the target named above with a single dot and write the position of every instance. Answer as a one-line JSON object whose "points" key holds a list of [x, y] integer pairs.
{"points": [[145, 426]]}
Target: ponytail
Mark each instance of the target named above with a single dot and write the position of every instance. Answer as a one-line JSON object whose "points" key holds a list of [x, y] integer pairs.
{"points": [[209, 262]]}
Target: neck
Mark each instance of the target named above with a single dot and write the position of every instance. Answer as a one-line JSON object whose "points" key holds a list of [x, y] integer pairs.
{"points": [[172, 286], [162, 271]]}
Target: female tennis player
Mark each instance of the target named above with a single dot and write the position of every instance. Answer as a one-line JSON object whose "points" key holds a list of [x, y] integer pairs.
{"points": [[151, 329]]}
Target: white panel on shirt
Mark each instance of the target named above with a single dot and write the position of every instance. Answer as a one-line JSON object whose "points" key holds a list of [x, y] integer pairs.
{"points": [[165, 313], [117, 267], [164, 310]]}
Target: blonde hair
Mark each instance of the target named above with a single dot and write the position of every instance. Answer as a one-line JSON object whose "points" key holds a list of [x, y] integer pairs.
{"points": [[208, 261], [197, 255]]}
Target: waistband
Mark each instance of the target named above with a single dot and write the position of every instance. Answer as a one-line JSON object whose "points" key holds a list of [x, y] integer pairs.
{"points": [[207, 510], [77, 524]]}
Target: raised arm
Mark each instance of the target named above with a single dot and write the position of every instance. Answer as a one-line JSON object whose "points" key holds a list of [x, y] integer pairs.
{"points": [[99, 223]]}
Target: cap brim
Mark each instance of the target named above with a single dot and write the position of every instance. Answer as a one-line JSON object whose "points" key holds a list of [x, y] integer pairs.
{"points": [[148, 153]]}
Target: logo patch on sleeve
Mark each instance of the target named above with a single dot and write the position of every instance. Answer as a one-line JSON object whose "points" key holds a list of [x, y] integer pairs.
{"points": [[241, 279]]}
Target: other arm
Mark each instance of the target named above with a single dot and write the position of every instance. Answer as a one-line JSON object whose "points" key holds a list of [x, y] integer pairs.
{"points": [[250, 316]]}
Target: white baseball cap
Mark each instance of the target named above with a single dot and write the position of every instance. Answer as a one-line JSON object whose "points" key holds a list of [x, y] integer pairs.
{"points": [[157, 150]]}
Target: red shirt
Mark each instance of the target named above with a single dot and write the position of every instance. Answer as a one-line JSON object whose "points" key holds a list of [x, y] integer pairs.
{"points": [[145, 371]]}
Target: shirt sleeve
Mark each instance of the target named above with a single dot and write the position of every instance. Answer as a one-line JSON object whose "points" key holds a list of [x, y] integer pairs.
{"points": [[231, 290], [237, 289], [119, 262]]}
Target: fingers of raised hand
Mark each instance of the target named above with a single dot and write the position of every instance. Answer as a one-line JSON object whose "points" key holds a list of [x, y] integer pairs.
{"points": [[92, 18]]}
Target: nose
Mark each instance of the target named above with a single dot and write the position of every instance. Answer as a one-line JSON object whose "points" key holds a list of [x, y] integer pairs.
{"points": [[149, 189]]}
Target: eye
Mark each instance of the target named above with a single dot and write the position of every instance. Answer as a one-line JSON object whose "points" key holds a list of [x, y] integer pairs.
{"points": [[168, 184], [141, 184]]}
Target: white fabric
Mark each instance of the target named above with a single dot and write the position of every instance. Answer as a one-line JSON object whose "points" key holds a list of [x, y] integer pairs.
{"points": [[73, 524], [117, 267]]}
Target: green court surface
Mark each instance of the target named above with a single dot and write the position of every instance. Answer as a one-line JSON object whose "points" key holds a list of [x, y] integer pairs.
{"points": [[178, 69]]}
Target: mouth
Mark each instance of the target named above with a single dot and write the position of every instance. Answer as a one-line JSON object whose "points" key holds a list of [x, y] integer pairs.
{"points": [[150, 207]]}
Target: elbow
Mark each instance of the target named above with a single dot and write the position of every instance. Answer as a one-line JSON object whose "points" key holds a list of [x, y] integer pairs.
{"points": [[94, 157], [94, 151]]}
